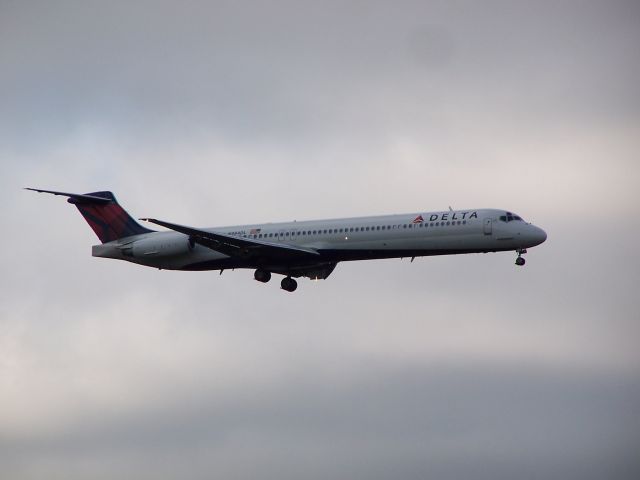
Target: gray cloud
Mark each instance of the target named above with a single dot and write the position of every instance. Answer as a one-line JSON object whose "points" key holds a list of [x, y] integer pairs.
{"points": [[224, 113], [402, 420], [292, 69]]}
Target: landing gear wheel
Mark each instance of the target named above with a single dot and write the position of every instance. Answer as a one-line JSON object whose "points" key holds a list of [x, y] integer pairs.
{"points": [[262, 275], [289, 284], [520, 261]]}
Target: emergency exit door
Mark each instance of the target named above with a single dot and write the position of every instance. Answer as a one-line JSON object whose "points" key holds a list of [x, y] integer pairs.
{"points": [[487, 226]]}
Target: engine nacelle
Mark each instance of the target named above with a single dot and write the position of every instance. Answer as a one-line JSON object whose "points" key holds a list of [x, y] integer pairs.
{"points": [[161, 247]]}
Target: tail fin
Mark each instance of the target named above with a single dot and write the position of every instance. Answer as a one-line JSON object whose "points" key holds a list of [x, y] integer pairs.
{"points": [[103, 214]]}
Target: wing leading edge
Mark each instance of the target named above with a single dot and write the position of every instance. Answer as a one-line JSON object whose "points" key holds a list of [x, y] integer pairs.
{"points": [[241, 247]]}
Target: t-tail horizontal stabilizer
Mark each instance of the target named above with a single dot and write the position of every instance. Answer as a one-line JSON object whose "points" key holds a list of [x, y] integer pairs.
{"points": [[79, 198], [103, 214]]}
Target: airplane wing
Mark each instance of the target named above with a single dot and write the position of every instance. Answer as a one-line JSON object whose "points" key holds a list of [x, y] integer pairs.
{"points": [[240, 247]]}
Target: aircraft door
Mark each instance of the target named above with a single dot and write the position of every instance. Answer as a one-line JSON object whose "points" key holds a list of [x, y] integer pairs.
{"points": [[487, 226]]}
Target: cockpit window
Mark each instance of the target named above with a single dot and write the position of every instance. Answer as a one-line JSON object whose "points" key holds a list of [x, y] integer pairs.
{"points": [[510, 217]]}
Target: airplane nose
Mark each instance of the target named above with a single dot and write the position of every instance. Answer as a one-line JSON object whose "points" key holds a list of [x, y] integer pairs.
{"points": [[538, 235]]}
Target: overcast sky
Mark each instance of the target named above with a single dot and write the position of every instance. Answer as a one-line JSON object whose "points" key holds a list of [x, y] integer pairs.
{"points": [[221, 113]]}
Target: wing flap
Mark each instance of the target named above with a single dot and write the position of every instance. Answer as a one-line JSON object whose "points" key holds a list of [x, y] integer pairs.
{"points": [[241, 247]]}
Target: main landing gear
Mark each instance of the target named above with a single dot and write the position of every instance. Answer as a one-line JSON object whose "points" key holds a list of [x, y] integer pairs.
{"points": [[289, 284], [262, 275], [520, 260]]}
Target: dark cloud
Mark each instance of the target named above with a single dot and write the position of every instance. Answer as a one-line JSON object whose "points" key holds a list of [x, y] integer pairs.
{"points": [[218, 113], [392, 419], [290, 69]]}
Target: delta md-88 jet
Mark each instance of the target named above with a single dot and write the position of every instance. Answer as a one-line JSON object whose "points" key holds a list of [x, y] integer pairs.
{"points": [[309, 249]]}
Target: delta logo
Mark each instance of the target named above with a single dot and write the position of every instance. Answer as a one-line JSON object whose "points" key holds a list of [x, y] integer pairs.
{"points": [[447, 216]]}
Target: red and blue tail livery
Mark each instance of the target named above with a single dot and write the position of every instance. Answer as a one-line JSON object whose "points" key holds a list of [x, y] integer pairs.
{"points": [[309, 249]]}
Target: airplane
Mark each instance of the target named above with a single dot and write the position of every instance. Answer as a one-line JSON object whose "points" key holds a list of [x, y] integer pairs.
{"points": [[295, 249]]}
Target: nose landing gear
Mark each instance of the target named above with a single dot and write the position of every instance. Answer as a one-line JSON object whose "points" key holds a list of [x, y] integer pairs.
{"points": [[520, 260]]}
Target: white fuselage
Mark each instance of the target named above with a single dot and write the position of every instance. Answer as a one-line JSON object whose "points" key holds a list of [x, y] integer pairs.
{"points": [[406, 235]]}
